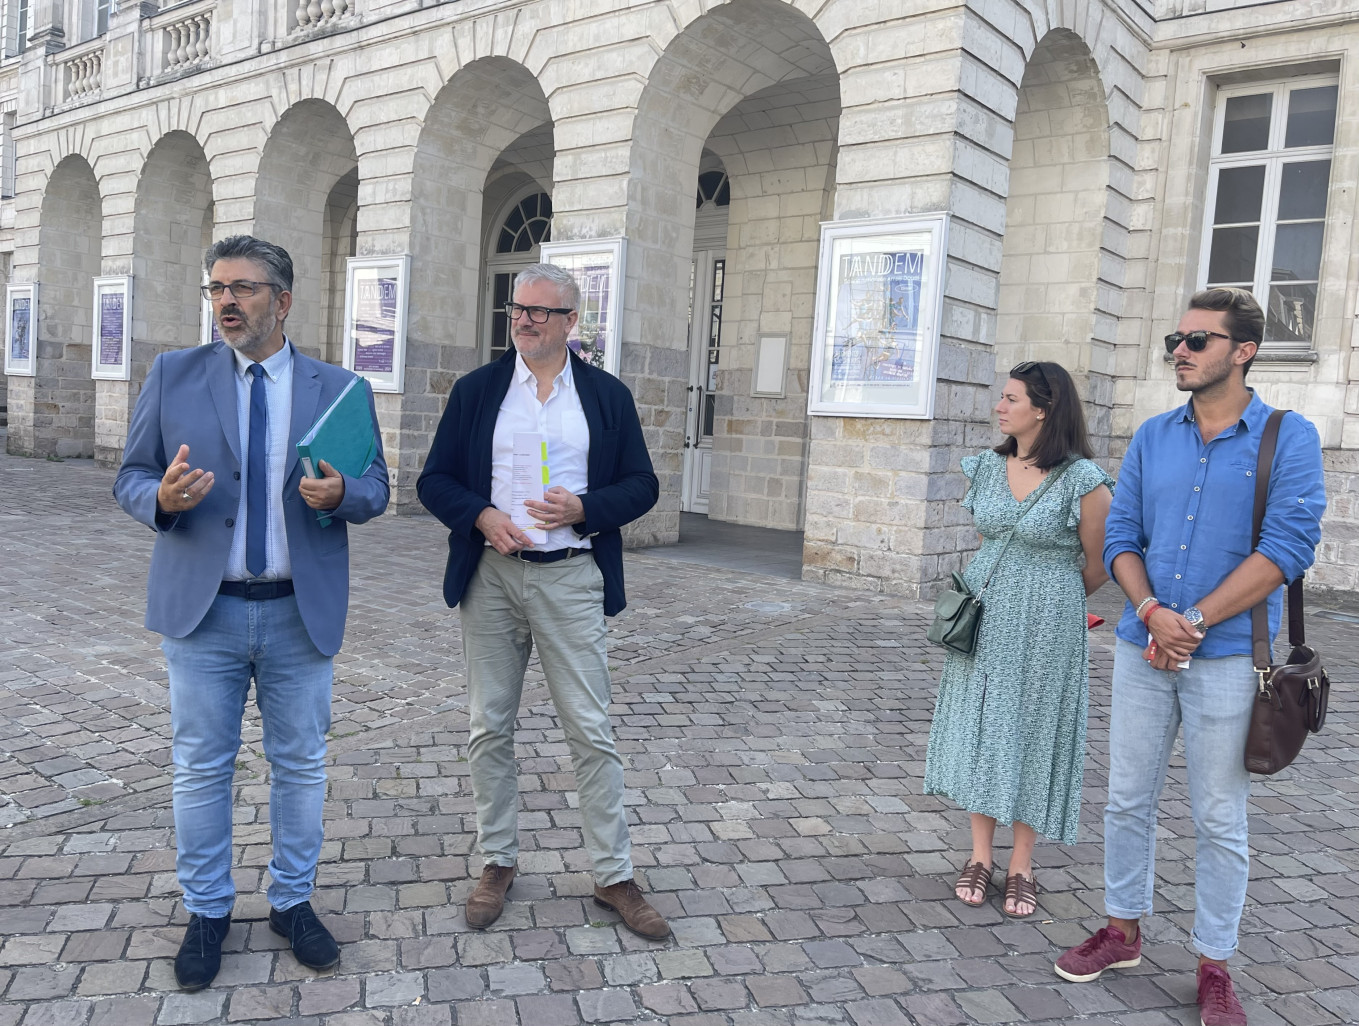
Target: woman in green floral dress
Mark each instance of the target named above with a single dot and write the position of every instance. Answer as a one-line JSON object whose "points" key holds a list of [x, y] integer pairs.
{"points": [[1008, 738]]}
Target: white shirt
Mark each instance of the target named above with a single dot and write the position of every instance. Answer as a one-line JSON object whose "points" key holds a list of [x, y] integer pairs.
{"points": [[278, 392], [560, 420]]}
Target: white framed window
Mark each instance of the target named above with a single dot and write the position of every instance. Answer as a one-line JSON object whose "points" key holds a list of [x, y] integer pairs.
{"points": [[524, 226], [101, 16], [1265, 216], [8, 154], [16, 26]]}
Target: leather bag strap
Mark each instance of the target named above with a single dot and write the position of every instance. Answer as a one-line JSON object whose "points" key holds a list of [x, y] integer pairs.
{"points": [[1259, 614], [1037, 497]]}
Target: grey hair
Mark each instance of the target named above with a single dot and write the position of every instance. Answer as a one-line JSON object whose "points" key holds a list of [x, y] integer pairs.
{"points": [[558, 276], [277, 264]]}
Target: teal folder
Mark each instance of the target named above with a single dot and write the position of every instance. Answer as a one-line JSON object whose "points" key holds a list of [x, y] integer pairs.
{"points": [[344, 436]]}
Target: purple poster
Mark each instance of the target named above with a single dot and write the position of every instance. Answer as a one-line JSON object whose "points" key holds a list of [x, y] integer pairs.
{"points": [[18, 328], [877, 318], [374, 322], [111, 329]]}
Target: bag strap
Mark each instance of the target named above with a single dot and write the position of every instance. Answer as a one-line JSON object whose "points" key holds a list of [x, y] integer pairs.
{"points": [[1037, 497], [1259, 614]]}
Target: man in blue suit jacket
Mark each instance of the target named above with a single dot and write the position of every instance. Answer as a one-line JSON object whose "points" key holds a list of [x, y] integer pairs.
{"points": [[547, 580], [245, 583]]}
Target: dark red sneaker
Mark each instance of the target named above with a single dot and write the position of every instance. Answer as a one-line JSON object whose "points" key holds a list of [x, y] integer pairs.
{"points": [[1217, 1001], [1107, 949]]}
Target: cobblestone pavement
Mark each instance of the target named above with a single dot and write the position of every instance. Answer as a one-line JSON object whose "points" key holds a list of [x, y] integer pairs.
{"points": [[774, 733]]}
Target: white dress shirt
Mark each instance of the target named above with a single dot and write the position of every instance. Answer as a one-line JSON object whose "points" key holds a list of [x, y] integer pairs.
{"points": [[278, 391], [561, 421]]}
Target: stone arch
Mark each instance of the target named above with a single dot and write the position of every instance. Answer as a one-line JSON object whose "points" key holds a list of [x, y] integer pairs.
{"points": [[172, 226], [306, 200], [754, 82], [487, 134], [339, 241], [70, 230], [1056, 298]]}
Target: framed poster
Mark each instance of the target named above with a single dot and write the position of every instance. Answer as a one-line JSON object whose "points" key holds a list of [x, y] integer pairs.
{"points": [[21, 318], [598, 266], [875, 341], [110, 352], [376, 291]]}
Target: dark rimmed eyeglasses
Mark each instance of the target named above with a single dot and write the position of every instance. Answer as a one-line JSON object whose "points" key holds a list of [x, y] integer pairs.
{"points": [[238, 289], [1195, 341], [536, 314]]}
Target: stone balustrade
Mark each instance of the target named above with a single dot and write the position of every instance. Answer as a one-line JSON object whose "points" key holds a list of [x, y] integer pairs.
{"points": [[187, 41], [80, 75], [314, 14]]}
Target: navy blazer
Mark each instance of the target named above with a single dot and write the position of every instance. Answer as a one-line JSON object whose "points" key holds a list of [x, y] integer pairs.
{"points": [[190, 398], [456, 483]]}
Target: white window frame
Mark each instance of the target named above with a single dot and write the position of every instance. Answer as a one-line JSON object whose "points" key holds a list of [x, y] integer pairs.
{"points": [[15, 11], [8, 153], [1273, 158], [503, 263]]}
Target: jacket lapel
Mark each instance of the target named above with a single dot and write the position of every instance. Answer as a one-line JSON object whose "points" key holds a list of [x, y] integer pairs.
{"points": [[222, 386], [583, 375], [306, 405]]}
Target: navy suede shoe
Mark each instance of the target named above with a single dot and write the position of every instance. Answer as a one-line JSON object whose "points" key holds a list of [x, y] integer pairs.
{"points": [[311, 942], [200, 955]]}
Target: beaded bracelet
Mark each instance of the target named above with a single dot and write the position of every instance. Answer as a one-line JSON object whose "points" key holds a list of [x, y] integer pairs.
{"points": [[1151, 601]]}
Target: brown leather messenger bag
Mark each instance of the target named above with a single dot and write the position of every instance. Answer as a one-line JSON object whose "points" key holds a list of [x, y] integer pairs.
{"points": [[1290, 699]]}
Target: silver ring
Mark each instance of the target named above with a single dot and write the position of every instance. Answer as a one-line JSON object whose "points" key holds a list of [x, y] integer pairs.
{"points": [[184, 495]]}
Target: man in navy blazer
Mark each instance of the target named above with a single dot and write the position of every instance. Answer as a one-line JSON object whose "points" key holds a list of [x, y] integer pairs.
{"points": [[545, 574], [245, 584]]}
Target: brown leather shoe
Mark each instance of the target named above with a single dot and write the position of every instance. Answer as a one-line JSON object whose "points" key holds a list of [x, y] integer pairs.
{"points": [[487, 899], [626, 899]]}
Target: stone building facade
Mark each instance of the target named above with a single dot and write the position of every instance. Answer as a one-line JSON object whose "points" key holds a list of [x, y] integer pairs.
{"points": [[1096, 158]]}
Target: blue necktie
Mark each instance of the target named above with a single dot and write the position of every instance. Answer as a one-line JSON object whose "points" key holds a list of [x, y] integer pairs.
{"points": [[257, 476]]}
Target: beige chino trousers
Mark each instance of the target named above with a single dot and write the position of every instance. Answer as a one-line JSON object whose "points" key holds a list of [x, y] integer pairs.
{"points": [[509, 607]]}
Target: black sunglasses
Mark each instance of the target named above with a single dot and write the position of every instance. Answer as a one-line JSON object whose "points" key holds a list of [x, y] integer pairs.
{"points": [[1195, 341], [1026, 367]]}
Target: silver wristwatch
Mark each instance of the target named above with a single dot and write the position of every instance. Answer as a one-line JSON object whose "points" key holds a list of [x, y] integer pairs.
{"points": [[1195, 619]]}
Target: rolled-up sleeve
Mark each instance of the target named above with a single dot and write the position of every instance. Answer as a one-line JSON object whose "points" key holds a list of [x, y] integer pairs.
{"points": [[1124, 529], [1297, 499]]}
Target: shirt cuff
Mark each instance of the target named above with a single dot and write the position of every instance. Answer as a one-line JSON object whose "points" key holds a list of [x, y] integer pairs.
{"points": [[1113, 551]]}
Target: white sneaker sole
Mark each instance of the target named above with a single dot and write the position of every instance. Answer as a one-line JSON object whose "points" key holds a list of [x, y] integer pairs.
{"points": [[1095, 976]]}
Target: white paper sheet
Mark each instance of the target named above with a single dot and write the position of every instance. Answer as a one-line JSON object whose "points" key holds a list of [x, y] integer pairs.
{"points": [[529, 481]]}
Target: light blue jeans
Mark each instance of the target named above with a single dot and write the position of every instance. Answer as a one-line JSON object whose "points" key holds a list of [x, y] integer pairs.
{"points": [[210, 674], [1212, 698], [509, 607]]}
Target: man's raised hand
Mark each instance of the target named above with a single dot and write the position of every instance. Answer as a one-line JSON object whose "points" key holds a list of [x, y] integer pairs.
{"points": [[182, 487]]}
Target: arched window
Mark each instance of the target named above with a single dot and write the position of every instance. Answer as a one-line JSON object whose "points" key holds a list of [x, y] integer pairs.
{"points": [[528, 223], [714, 188], [513, 246]]}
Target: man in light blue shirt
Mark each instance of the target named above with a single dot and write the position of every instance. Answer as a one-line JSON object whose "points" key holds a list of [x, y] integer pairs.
{"points": [[1178, 542], [245, 585]]}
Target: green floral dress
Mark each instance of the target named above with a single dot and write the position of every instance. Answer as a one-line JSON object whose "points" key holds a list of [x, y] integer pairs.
{"points": [[1008, 737]]}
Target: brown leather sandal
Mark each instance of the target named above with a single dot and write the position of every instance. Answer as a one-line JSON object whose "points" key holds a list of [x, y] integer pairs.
{"points": [[974, 877], [1020, 889]]}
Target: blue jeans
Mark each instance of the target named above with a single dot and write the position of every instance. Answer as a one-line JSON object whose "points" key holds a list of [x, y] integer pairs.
{"points": [[210, 673], [509, 607], [1213, 699]]}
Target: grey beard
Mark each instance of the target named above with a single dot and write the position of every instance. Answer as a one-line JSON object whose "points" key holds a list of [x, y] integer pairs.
{"points": [[249, 343]]}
